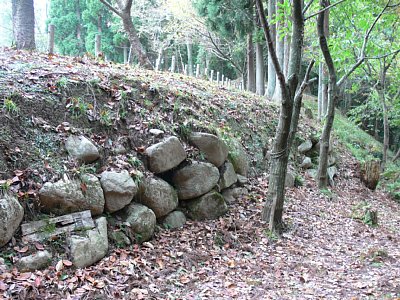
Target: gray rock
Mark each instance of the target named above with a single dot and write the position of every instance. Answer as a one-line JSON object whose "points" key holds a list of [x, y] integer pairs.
{"points": [[37, 261], [82, 149], [289, 180], [165, 155], [332, 171], [11, 214], [230, 195], [175, 219], [307, 163], [156, 132], [228, 176], [305, 146], [214, 148], [141, 222], [195, 180], [239, 159], [68, 196], [242, 180], [91, 246], [158, 195], [209, 206], [119, 189]]}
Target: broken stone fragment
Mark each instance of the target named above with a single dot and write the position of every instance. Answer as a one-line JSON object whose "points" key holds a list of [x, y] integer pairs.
{"points": [[11, 214]]}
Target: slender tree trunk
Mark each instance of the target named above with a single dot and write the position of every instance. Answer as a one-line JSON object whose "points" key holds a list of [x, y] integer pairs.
{"points": [[251, 75], [189, 47], [159, 58], [273, 208], [280, 49], [271, 69], [381, 93], [260, 73], [397, 155], [320, 80], [136, 45], [24, 24], [286, 53]]}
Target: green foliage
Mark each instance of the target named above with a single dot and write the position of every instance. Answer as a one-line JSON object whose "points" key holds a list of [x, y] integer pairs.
{"points": [[363, 212], [10, 106]]}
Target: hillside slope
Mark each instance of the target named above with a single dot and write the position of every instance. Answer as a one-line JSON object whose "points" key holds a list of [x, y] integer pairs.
{"points": [[328, 252]]}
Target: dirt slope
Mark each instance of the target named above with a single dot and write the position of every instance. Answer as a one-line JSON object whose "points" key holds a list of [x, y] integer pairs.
{"points": [[327, 252]]}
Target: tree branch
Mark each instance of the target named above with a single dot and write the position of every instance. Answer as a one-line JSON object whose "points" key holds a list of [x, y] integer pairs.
{"points": [[366, 37], [322, 10], [307, 7], [114, 10]]}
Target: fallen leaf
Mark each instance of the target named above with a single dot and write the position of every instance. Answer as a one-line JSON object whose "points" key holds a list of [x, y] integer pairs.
{"points": [[59, 266], [67, 263], [39, 246]]}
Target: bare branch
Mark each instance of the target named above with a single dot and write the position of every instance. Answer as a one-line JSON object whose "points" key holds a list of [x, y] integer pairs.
{"points": [[366, 38], [307, 6], [112, 8], [322, 10]]}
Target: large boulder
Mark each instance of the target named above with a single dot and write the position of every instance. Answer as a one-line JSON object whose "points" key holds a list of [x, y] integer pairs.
{"points": [[175, 219], [140, 221], [195, 180], [82, 149], [305, 146], [91, 246], [228, 176], [158, 195], [68, 196], [37, 261], [165, 155], [11, 214], [239, 158], [119, 189], [207, 207], [214, 148]]}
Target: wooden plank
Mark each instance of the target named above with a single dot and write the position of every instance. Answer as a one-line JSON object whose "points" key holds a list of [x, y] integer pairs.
{"points": [[32, 227], [83, 224]]}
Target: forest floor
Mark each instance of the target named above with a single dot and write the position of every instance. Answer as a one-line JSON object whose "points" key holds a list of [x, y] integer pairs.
{"points": [[327, 252]]}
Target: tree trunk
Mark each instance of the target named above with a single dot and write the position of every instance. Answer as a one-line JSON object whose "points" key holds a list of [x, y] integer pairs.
{"points": [[251, 75], [332, 99], [397, 155], [136, 45], [260, 76], [381, 93], [159, 58], [280, 48], [273, 208], [190, 57], [320, 79], [370, 173], [24, 24], [271, 69]]}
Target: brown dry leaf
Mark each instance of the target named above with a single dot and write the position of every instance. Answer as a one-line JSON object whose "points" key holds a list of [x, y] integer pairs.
{"points": [[231, 263], [3, 286], [99, 284], [21, 250], [67, 263], [39, 246], [38, 281], [184, 279], [23, 276]]}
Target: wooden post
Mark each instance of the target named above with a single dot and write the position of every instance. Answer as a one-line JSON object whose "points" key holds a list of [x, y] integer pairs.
{"points": [[51, 38], [185, 70], [206, 72], [172, 69], [217, 77], [97, 45], [197, 70], [212, 75], [222, 79]]}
